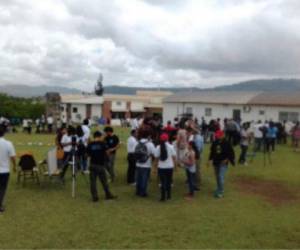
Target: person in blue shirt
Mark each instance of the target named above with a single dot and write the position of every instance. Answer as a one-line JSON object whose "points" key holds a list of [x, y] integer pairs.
{"points": [[271, 136]]}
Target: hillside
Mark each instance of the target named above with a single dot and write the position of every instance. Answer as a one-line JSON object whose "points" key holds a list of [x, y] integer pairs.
{"points": [[274, 85], [35, 91]]}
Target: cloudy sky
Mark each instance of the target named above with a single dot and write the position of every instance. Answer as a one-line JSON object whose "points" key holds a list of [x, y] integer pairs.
{"points": [[200, 43]]}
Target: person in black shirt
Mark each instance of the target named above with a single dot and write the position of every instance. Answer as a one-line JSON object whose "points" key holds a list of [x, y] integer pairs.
{"points": [[113, 143], [97, 150], [221, 154]]}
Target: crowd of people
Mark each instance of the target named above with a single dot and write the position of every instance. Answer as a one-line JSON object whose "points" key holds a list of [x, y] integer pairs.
{"points": [[178, 144]]}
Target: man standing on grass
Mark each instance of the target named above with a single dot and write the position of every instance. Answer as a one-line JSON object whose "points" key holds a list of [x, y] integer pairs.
{"points": [[221, 154], [97, 151], [50, 122], [113, 143], [131, 144], [86, 129], [7, 153]]}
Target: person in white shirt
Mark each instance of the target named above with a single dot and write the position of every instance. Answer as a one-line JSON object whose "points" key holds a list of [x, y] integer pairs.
{"points": [[25, 125], [244, 144], [86, 129], [66, 143], [144, 153], [7, 153], [82, 143], [166, 155], [258, 136], [131, 144], [134, 124], [50, 123]]}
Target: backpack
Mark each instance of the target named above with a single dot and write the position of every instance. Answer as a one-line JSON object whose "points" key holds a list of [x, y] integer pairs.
{"points": [[141, 153], [60, 153]]}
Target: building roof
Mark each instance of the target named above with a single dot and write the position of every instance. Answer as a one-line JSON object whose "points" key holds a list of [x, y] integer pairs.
{"points": [[237, 98], [150, 99], [82, 99], [128, 98], [213, 97], [277, 99], [153, 93]]}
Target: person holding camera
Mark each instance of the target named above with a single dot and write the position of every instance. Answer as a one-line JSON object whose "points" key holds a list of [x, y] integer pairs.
{"points": [[7, 153], [68, 142], [97, 151], [271, 135], [82, 143]]}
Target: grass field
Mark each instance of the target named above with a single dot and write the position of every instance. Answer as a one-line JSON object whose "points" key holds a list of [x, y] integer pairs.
{"points": [[261, 209]]}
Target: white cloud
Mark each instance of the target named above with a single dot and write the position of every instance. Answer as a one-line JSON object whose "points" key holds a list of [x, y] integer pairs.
{"points": [[166, 43]]}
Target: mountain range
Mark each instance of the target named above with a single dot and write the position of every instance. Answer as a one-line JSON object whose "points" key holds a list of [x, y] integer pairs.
{"points": [[274, 85]]}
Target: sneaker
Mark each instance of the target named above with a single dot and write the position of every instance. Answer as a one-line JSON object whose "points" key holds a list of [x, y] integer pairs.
{"points": [[87, 172], [111, 197], [218, 195], [95, 199], [2, 209], [189, 197]]}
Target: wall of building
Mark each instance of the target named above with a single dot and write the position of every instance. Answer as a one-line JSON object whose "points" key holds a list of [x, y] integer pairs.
{"points": [[96, 111], [248, 113], [119, 105], [80, 115]]}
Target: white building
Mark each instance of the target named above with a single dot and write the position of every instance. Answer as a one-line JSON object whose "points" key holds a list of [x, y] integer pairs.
{"points": [[247, 106], [75, 108]]}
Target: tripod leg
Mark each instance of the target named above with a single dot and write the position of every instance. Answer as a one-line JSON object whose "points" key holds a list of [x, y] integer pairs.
{"points": [[270, 159], [73, 175]]}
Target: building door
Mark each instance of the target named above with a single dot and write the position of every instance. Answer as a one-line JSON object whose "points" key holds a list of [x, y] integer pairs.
{"points": [[236, 114], [69, 114], [88, 111]]}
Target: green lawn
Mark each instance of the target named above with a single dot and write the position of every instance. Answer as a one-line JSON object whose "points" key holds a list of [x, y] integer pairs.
{"points": [[47, 216]]}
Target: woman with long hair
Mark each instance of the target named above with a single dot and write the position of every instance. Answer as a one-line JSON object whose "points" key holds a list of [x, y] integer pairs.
{"points": [[189, 162], [166, 155]]}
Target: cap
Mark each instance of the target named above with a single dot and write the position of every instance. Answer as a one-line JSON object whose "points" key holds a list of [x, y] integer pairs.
{"points": [[164, 137]]}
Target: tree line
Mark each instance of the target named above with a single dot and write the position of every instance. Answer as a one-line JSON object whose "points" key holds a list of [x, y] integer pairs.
{"points": [[19, 108]]}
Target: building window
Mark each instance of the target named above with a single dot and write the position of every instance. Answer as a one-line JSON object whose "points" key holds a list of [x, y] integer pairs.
{"points": [[118, 115], [261, 112], [62, 109], [289, 116], [247, 109], [189, 110], [118, 103], [75, 110], [208, 111]]}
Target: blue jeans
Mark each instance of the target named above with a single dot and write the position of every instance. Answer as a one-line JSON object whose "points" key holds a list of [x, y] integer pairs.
{"points": [[143, 175], [191, 181], [82, 162], [220, 171]]}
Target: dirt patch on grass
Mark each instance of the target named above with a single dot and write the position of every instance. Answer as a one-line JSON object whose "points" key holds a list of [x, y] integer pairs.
{"points": [[274, 192]]}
